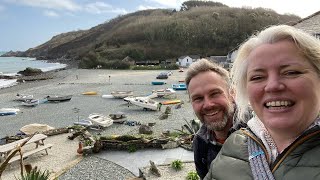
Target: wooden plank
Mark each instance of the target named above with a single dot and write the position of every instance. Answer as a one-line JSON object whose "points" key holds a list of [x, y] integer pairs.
{"points": [[8, 147], [28, 153]]}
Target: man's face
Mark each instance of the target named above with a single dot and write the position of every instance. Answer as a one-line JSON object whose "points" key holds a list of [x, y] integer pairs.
{"points": [[211, 100]]}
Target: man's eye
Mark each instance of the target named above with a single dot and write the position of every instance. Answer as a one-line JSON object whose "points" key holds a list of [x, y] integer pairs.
{"points": [[196, 99]]}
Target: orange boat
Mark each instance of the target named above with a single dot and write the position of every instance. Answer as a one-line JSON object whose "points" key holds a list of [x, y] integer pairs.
{"points": [[176, 101]]}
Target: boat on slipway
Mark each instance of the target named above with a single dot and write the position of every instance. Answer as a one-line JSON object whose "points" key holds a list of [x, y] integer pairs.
{"points": [[164, 92], [145, 102], [8, 111], [179, 87], [158, 83], [100, 120], [121, 94], [59, 98]]}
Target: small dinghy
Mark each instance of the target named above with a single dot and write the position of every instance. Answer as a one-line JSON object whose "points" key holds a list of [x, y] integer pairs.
{"points": [[100, 120]]}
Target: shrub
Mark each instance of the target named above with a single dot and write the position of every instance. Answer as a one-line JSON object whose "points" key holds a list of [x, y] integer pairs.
{"points": [[192, 175], [36, 174], [177, 165]]}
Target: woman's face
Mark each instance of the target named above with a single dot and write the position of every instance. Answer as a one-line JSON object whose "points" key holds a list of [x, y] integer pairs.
{"points": [[283, 87]]}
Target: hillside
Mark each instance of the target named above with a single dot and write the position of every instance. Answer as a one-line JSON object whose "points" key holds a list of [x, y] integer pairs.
{"points": [[161, 34]]}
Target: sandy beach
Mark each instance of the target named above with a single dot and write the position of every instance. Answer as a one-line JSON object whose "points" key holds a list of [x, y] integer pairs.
{"points": [[75, 82]]}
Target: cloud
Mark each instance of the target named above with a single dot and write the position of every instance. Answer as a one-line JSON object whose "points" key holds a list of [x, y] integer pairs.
{"points": [[50, 13], [49, 4], [143, 7], [101, 7], [168, 3]]}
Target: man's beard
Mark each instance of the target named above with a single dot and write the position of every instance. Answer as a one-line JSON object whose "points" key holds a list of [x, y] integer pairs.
{"points": [[220, 125]]}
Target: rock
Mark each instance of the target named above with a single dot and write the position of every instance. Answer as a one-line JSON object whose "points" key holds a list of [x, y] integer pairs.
{"points": [[154, 169], [144, 129], [163, 116], [178, 106], [170, 145], [168, 110]]}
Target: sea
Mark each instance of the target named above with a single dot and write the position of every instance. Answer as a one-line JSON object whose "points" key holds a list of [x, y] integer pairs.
{"points": [[12, 65]]}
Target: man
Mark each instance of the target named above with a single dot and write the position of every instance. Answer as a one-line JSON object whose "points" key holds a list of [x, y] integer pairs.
{"points": [[212, 100]]}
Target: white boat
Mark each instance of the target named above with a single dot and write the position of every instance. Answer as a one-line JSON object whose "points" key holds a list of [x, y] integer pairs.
{"points": [[100, 120], [23, 97], [164, 92], [145, 102], [83, 122], [8, 111], [121, 94], [30, 102]]}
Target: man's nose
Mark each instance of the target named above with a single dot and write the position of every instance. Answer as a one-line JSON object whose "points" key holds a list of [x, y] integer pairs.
{"points": [[208, 102]]}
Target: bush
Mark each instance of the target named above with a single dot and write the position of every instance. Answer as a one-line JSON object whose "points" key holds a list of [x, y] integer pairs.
{"points": [[36, 174], [192, 175], [177, 165]]}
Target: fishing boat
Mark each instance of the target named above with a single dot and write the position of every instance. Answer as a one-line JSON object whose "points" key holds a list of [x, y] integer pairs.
{"points": [[158, 83], [8, 111], [180, 86], [145, 102], [164, 92], [176, 101], [23, 97], [121, 94], [90, 93], [100, 120], [83, 122], [59, 98], [31, 102], [118, 117]]}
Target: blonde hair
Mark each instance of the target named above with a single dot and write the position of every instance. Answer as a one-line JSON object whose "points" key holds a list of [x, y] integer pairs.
{"points": [[308, 46]]}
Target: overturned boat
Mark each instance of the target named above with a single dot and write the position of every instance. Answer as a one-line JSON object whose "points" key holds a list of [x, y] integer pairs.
{"points": [[59, 98], [121, 94]]}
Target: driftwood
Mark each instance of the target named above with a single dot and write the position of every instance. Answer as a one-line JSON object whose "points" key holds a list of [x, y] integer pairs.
{"points": [[53, 132]]}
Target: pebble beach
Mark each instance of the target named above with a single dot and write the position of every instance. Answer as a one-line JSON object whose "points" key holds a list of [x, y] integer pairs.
{"points": [[77, 81]]}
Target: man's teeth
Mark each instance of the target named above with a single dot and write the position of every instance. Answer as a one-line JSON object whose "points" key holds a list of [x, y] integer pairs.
{"points": [[211, 114], [278, 103]]}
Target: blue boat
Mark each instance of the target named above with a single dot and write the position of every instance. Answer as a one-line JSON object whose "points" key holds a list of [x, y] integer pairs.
{"points": [[158, 83], [181, 86]]}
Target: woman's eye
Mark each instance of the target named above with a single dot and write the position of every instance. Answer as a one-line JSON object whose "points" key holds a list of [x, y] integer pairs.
{"points": [[255, 78], [291, 73]]}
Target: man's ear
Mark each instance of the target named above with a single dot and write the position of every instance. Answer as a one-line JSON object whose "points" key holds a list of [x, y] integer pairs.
{"points": [[232, 93]]}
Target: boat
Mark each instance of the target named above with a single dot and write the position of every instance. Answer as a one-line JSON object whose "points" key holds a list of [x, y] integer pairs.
{"points": [[180, 86], [181, 70], [100, 120], [23, 97], [118, 117], [83, 122], [121, 94], [176, 101], [90, 93], [31, 102], [164, 92], [158, 83], [8, 111], [145, 102], [59, 98]]}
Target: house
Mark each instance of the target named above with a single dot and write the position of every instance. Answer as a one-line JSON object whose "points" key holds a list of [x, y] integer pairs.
{"points": [[129, 60], [310, 24], [186, 61]]}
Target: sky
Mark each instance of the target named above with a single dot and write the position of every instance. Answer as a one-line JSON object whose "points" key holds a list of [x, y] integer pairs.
{"points": [[26, 24]]}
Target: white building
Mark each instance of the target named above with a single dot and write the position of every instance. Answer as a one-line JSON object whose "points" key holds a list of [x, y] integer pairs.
{"points": [[186, 61]]}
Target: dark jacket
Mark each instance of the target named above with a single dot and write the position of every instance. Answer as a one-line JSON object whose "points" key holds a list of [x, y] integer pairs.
{"points": [[206, 148], [298, 161]]}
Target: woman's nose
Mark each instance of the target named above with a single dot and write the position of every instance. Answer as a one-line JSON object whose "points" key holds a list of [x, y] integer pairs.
{"points": [[274, 84]]}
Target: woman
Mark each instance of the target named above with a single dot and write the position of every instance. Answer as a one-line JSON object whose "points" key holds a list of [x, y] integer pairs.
{"points": [[277, 74]]}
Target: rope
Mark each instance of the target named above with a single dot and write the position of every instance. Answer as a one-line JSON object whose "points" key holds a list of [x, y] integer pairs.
{"points": [[258, 162]]}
